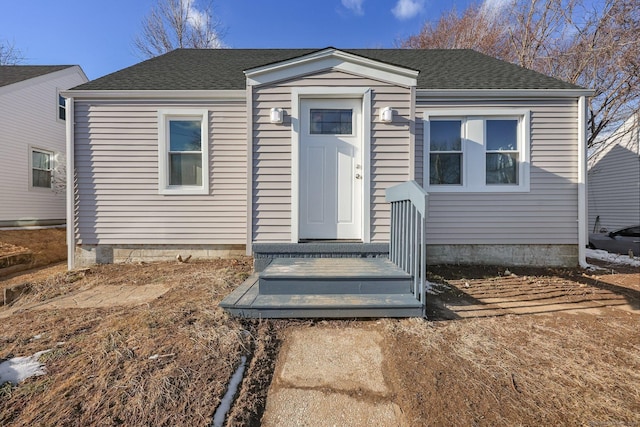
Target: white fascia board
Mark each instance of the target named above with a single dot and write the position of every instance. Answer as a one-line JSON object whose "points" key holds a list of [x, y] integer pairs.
{"points": [[331, 59], [503, 93], [231, 95]]}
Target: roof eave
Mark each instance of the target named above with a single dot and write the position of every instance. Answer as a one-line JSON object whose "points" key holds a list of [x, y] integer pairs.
{"points": [[156, 94], [504, 93]]}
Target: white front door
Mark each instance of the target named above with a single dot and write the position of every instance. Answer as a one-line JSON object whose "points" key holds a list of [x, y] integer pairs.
{"points": [[330, 199]]}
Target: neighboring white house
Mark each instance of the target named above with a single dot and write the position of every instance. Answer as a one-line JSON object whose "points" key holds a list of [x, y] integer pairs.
{"points": [[614, 179], [32, 142], [214, 150]]}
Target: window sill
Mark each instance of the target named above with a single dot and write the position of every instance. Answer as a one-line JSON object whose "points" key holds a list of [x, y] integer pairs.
{"points": [[483, 189], [184, 191]]}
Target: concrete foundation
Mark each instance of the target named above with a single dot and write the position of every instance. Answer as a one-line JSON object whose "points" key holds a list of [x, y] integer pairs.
{"points": [[507, 255], [86, 255]]}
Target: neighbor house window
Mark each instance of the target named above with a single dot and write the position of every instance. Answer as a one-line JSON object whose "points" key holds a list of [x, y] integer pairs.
{"points": [[62, 107], [477, 150], [183, 165], [41, 168]]}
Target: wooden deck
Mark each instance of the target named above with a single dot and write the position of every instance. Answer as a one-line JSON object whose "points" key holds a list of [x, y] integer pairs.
{"points": [[325, 287]]}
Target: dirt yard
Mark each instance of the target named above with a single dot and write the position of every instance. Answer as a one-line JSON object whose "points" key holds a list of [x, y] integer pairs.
{"points": [[521, 347], [46, 246]]}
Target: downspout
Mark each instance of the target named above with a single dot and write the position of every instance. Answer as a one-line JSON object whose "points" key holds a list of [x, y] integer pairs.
{"points": [[70, 187], [249, 115], [582, 182]]}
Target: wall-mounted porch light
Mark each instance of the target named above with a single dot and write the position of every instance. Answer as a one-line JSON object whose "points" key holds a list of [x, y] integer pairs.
{"points": [[277, 115], [386, 115]]}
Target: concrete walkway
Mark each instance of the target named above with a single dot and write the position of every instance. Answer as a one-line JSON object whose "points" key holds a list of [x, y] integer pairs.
{"points": [[96, 297], [331, 377]]}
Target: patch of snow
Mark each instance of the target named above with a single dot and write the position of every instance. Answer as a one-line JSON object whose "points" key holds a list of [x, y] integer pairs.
{"points": [[612, 258], [19, 369], [435, 288], [225, 404]]}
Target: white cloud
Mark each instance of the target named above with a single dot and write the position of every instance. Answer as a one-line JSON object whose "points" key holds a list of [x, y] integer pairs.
{"points": [[199, 20], [493, 8], [406, 9], [354, 5], [195, 17]]}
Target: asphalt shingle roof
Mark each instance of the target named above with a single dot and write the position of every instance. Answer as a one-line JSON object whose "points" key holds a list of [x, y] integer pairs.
{"points": [[10, 74], [220, 69]]}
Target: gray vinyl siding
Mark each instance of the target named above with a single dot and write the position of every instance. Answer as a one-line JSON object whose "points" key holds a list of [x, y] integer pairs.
{"points": [[116, 160], [614, 183], [547, 214], [389, 162]]}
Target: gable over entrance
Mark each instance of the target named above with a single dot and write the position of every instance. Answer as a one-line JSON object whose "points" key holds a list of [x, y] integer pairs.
{"points": [[315, 175], [335, 59]]}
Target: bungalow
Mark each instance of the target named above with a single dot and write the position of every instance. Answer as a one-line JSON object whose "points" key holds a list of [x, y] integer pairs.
{"points": [[32, 142], [289, 153]]}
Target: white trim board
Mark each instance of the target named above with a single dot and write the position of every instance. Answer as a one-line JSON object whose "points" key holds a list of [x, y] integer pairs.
{"points": [[526, 94], [218, 95]]}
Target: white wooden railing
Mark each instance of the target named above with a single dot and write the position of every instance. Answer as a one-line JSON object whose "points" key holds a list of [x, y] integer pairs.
{"points": [[408, 246]]}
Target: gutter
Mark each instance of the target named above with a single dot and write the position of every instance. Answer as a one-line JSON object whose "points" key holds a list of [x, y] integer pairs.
{"points": [[527, 94], [582, 182], [70, 187], [218, 95]]}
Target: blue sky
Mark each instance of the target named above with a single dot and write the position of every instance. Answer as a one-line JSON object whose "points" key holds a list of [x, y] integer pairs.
{"points": [[98, 35]]}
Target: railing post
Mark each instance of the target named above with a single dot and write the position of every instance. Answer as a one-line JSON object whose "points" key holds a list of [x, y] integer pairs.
{"points": [[407, 243]]}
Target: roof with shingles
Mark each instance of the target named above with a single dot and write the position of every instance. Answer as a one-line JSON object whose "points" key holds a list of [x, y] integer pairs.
{"points": [[222, 69], [10, 74]]}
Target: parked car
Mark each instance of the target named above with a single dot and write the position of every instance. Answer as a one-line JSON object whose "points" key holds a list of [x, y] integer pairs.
{"points": [[619, 241]]}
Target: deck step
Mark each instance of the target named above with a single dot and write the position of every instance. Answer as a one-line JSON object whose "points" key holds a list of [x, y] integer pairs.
{"points": [[333, 276], [325, 288]]}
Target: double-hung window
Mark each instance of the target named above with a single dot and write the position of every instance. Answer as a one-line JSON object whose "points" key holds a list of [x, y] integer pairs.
{"points": [[183, 152], [41, 162], [62, 108], [476, 151], [445, 152], [502, 155]]}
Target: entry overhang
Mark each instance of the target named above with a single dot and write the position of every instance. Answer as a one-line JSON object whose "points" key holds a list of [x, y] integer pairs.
{"points": [[335, 59]]}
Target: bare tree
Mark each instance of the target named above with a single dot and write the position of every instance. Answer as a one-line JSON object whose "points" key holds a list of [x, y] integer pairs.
{"points": [[589, 43], [9, 54], [173, 24], [474, 28]]}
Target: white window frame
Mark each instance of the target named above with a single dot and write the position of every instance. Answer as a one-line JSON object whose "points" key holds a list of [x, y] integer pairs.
{"points": [[52, 166], [474, 149], [164, 117]]}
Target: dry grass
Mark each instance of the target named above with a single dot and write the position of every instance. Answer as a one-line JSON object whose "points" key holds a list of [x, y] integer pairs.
{"points": [[570, 367], [162, 363], [168, 362], [47, 245]]}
